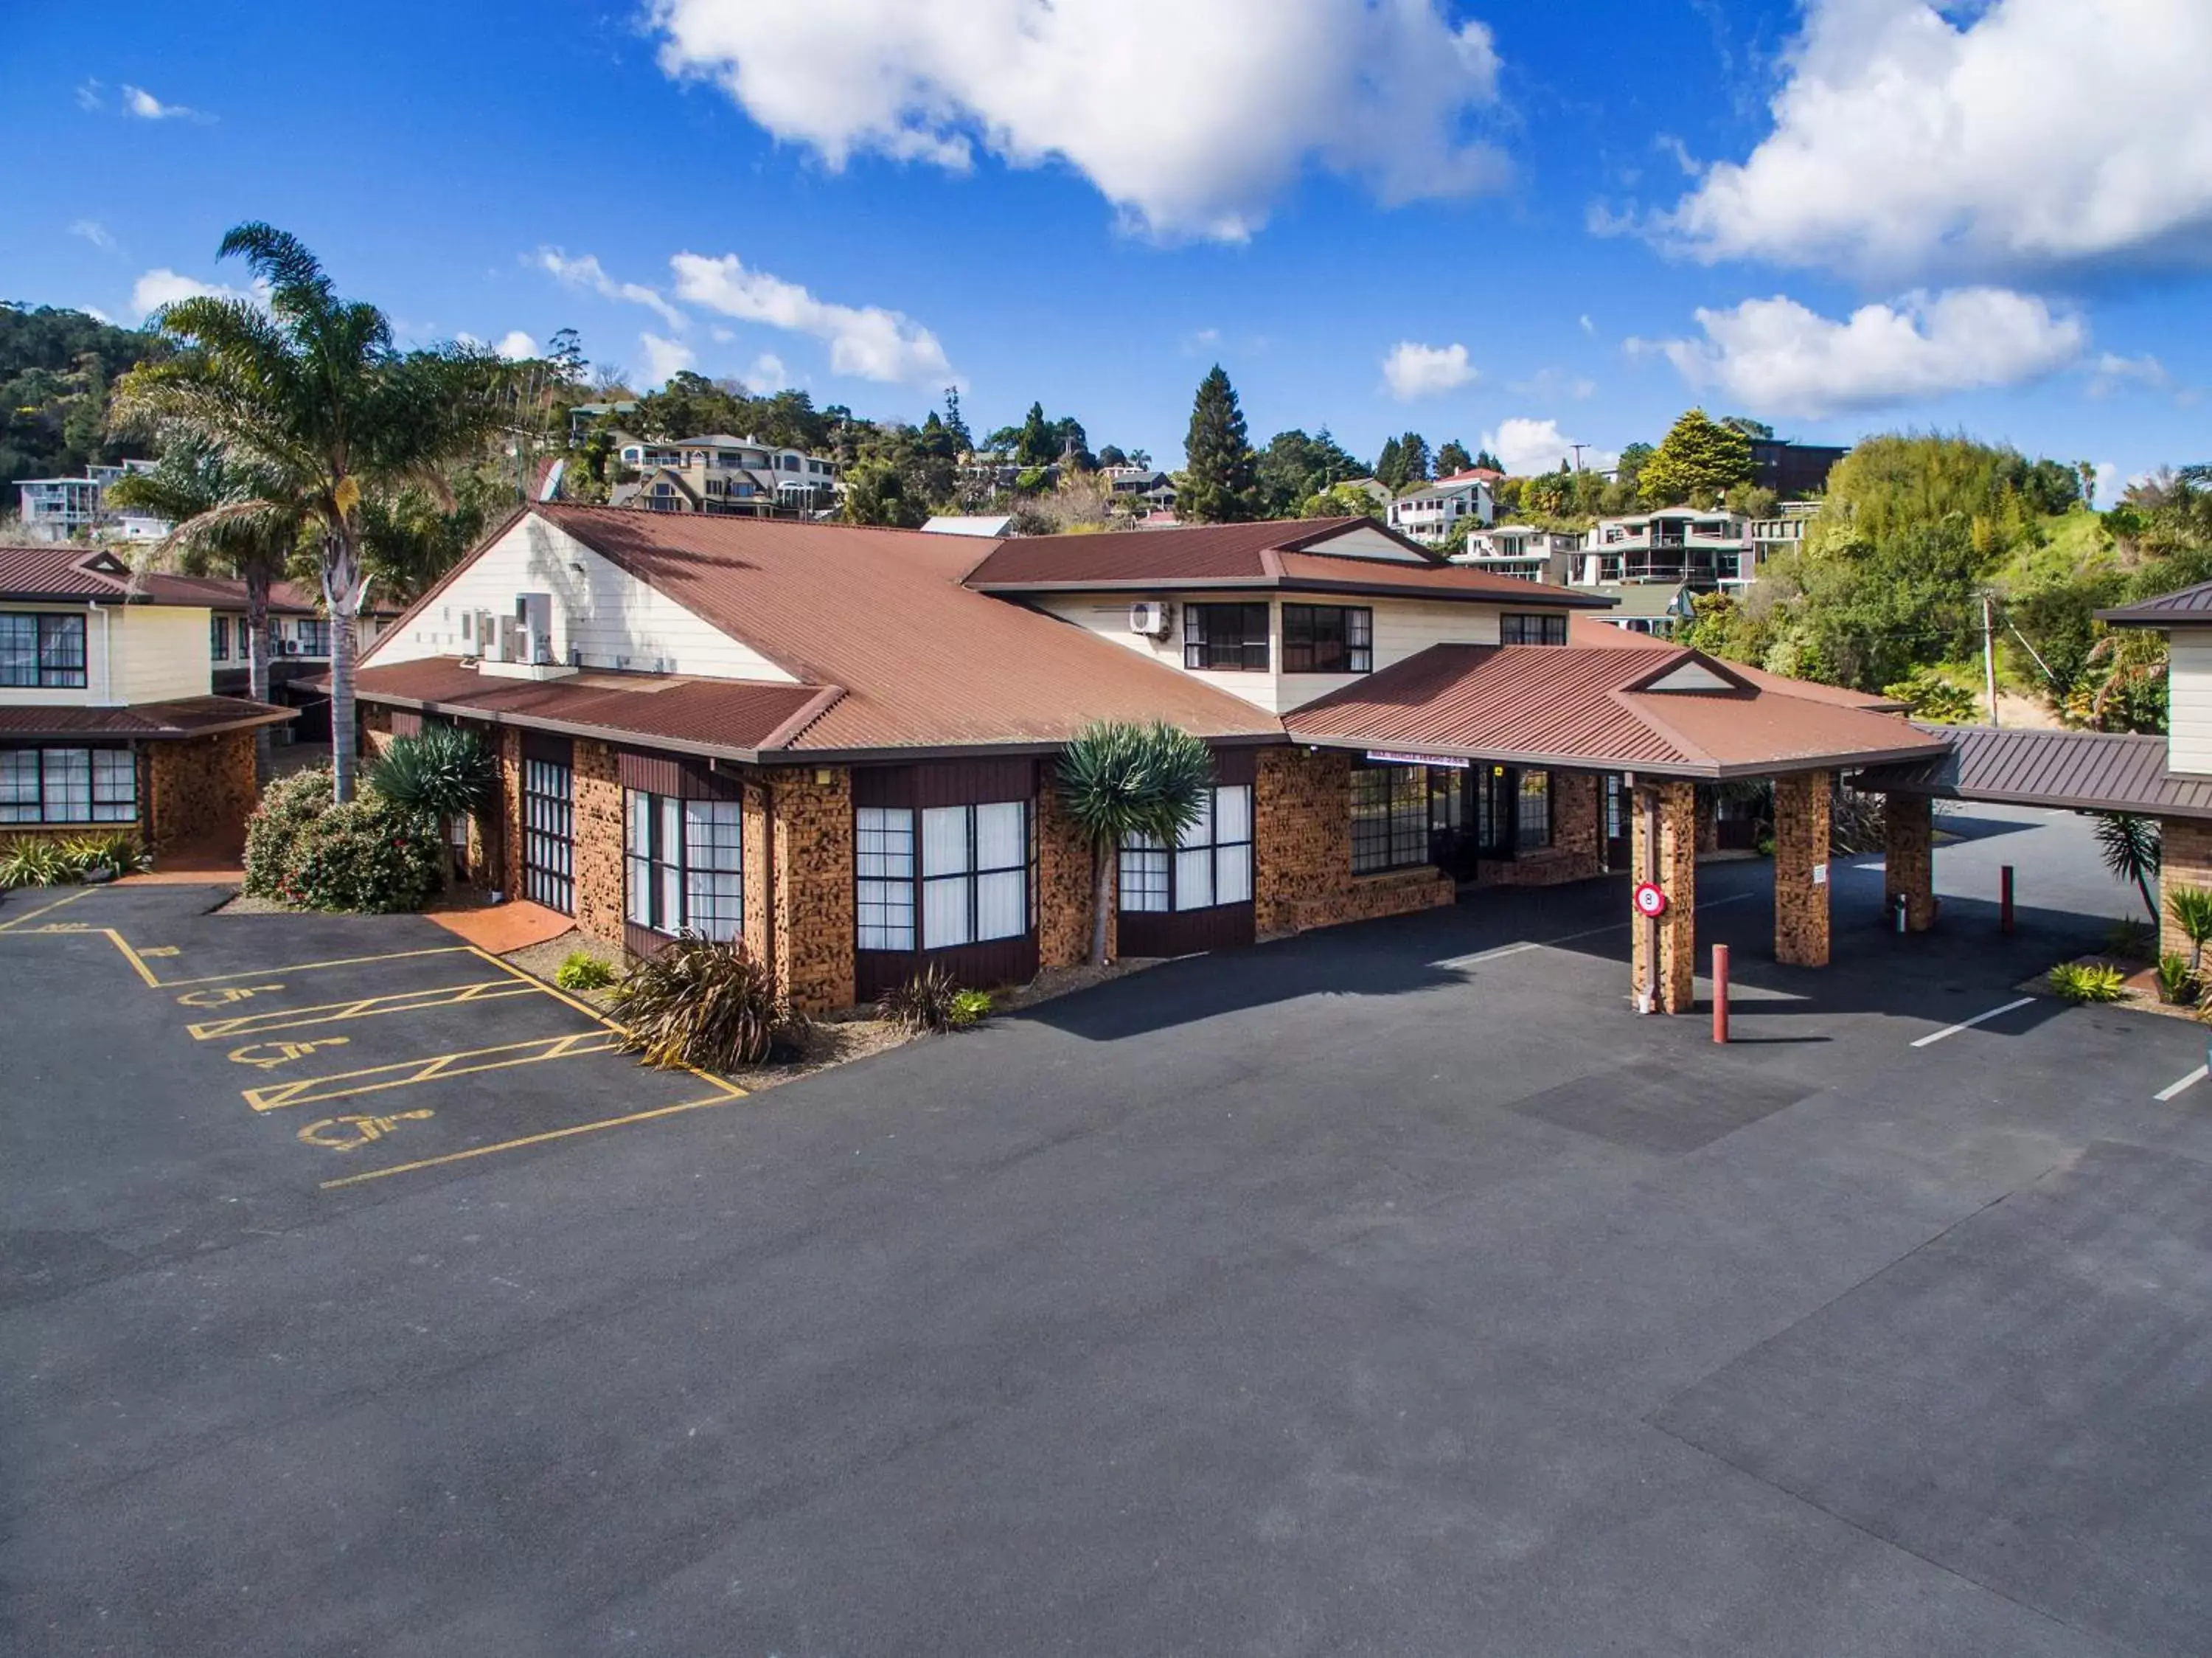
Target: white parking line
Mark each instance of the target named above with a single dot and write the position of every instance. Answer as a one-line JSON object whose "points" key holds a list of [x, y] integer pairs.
{"points": [[1968, 1024], [2171, 1090], [1569, 938]]}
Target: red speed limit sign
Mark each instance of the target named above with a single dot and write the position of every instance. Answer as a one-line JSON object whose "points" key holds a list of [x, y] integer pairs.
{"points": [[1649, 900]]}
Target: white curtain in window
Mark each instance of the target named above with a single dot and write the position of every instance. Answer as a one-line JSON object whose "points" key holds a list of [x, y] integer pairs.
{"points": [[883, 864], [1200, 831], [1002, 904], [944, 912], [639, 810], [667, 867], [1194, 878], [69, 785], [1232, 808], [999, 836], [944, 840]]}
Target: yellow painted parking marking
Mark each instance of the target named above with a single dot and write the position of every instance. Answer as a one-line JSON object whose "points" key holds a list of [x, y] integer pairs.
{"points": [[352, 1133], [223, 995], [365, 1007], [47, 909], [533, 1140], [408, 1072], [730, 1089], [269, 1055], [310, 966]]}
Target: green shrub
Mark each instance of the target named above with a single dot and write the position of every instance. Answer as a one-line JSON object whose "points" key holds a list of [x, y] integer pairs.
{"points": [[583, 970], [700, 1003], [927, 1002], [2191, 910], [2177, 981], [367, 856], [34, 860], [288, 806], [2086, 981], [970, 1007], [118, 852], [2133, 941]]}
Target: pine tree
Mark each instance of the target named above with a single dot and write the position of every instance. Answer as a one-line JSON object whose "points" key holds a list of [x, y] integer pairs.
{"points": [[1699, 460], [953, 422], [1453, 458], [1414, 450], [1391, 465], [1219, 476], [1490, 462]]}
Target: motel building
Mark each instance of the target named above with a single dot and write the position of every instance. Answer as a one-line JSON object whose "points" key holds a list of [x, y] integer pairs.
{"points": [[837, 743]]}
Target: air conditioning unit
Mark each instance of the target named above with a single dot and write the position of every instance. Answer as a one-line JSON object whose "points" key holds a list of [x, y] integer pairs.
{"points": [[1152, 619]]}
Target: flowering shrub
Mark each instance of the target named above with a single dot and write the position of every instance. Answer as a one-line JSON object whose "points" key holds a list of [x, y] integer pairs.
{"points": [[366, 855]]}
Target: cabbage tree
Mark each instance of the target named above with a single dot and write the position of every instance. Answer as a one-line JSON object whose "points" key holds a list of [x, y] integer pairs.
{"points": [[1120, 780]]}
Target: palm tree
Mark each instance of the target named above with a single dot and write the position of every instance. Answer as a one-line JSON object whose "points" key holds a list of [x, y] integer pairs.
{"points": [[1120, 781], [2128, 844], [228, 524], [313, 396]]}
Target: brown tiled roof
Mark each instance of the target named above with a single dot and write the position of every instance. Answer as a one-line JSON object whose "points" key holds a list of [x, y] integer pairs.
{"points": [[2082, 771], [735, 717], [1287, 554], [1598, 633], [2186, 604], [923, 663], [1587, 705], [184, 717], [72, 571]]}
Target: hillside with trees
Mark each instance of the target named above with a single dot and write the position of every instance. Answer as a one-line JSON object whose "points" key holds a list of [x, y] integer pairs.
{"points": [[56, 368]]}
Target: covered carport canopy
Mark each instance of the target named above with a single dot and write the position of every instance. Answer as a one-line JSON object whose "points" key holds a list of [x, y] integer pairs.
{"points": [[2080, 770], [1669, 718]]}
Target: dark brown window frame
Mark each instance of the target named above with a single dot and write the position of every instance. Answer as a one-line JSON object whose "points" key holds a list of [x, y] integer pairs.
{"points": [[1550, 628], [1351, 647], [1203, 639]]}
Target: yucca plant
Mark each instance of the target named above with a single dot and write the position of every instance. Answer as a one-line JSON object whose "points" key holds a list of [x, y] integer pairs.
{"points": [[35, 862], [443, 772], [582, 971], [2086, 981], [2191, 910], [1120, 780], [117, 853], [697, 1002], [2177, 981]]}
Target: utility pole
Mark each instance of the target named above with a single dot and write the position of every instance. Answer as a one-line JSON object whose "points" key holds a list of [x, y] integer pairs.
{"points": [[1578, 448], [1989, 659]]}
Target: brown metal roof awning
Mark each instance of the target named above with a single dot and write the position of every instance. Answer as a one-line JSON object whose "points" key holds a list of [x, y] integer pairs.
{"points": [[2077, 770], [168, 721]]}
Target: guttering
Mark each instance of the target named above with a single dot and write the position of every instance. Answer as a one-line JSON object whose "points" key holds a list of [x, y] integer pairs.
{"points": [[1703, 771], [1538, 595]]}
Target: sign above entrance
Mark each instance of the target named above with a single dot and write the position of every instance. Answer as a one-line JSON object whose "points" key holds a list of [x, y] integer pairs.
{"points": [[1389, 757], [1649, 900]]}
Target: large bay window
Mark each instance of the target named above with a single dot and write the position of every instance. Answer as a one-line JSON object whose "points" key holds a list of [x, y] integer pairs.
{"points": [[685, 865], [41, 650], [1328, 639], [967, 883], [68, 785], [1210, 864]]}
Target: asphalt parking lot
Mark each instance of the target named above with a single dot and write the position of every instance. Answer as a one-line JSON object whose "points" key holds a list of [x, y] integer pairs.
{"points": [[1393, 1290]]}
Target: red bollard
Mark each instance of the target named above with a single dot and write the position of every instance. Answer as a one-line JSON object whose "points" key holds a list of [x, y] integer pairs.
{"points": [[2004, 898], [1720, 993]]}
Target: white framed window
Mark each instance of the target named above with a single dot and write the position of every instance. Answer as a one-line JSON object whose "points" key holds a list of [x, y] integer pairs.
{"points": [[882, 866], [684, 864], [68, 785]]}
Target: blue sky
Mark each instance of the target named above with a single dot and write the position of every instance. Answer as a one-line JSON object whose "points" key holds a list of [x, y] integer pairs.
{"points": [[1470, 220]]}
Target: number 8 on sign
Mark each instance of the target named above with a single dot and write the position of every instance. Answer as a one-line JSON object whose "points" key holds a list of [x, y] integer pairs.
{"points": [[1649, 900]]}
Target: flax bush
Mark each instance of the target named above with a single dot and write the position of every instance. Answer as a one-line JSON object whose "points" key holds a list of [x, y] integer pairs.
{"points": [[700, 1003]]}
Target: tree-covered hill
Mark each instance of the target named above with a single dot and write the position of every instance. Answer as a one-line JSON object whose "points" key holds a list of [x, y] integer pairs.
{"points": [[55, 366]]}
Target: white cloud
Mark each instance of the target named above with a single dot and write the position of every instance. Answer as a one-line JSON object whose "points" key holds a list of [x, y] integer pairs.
{"points": [[867, 341], [1775, 357], [767, 375], [1526, 446], [1192, 121], [143, 104], [162, 286], [663, 358], [94, 232], [2107, 488], [90, 96], [2112, 373], [586, 273], [1550, 384], [2029, 134], [95, 314], [1414, 371], [515, 344], [1588, 327]]}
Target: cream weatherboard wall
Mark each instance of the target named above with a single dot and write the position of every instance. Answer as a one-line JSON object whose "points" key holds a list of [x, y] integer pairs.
{"points": [[161, 652], [2188, 701], [132, 654], [599, 609], [1403, 628]]}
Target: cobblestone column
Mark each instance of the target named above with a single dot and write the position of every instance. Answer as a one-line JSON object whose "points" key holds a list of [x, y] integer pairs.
{"points": [[596, 818], [1908, 864], [1676, 866], [1064, 884], [1801, 868], [814, 898], [2185, 860]]}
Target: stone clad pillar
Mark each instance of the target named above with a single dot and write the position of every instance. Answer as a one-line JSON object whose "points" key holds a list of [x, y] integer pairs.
{"points": [[1908, 864], [1801, 868], [1673, 862]]}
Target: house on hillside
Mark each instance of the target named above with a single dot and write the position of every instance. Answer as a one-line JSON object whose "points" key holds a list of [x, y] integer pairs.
{"points": [[1427, 515], [76, 509], [718, 474], [836, 744], [1675, 545], [110, 715], [1524, 551]]}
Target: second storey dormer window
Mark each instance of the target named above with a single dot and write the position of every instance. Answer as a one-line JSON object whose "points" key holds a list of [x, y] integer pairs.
{"points": [[1232, 638], [1328, 639], [1515, 630], [41, 651]]}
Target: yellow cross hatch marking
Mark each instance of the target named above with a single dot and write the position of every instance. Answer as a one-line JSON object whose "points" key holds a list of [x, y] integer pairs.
{"points": [[47, 909], [309, 966], [408, 1072], [365, 1007]]}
